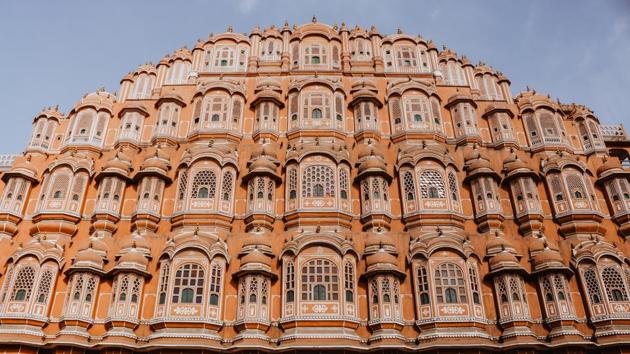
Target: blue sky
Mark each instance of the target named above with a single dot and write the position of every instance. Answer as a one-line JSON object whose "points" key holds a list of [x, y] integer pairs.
{"points": [[55, 51]]}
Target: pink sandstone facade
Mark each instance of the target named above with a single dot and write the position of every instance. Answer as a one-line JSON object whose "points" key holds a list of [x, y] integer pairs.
{"points": [[316, 188]]}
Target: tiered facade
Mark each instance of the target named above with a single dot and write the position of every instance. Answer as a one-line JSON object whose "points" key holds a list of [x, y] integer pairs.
{"points": [[316, 188]]}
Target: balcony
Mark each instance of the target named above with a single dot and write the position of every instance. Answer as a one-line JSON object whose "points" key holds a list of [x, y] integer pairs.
{"points": [[6, 161], [614, 133]]}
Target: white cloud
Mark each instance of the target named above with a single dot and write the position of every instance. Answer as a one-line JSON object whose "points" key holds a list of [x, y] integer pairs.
{"points": [[246, 6]]}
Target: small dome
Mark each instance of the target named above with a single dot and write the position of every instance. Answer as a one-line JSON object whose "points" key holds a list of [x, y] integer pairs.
{"points": [[88, 257], [381, 257], [368, 150], [268, 149], [256, 257], [256, 240], [610, 163], [158, 162], [513, 163], [497, 244], [134, 257], [23, 167], [379, 239], [503, 259], [547, 257], [135, 241], [119, 164], [263, 164], [98, 245], [373, 164]]}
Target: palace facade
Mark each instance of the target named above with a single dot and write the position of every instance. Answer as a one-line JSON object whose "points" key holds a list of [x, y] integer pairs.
{"points": [[316, 188]]}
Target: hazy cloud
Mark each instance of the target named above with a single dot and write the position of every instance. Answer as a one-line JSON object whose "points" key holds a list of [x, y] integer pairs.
{"points": [[246, 6]]}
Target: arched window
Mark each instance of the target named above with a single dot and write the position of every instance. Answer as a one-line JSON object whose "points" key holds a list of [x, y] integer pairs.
{"points": [[320, 281], [216, 280], [289, 282], [316, 113], [450, 286], [614, 284], [164, 275], [343, 184], [204, 184], [292, 183], [318, 181], [45, 285], [592, 285], [431, 184], [189, 284], [226, 188], [409, 186], [349, 281], [23, 285], [423, 285]]}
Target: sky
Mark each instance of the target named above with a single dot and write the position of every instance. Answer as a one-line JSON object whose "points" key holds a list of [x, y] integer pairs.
{"points": [[53, 52]]}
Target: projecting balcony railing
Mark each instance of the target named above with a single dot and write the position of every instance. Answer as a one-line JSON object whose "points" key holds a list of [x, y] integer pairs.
{"points": [[614, 132], [548, 140], [129, 135], [6, 161], [84, 140], [467, 132]]}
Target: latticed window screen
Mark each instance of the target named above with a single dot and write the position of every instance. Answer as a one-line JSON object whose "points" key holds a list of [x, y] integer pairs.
{"points": [[189, 284], [516, 290], [548, 125], [292, 183], [575, 184], [59, 186], [343, 183], [592, 285], [556, 188], [474, 283], [23, 285], [216, 279], [78, 186], [423, 285], [216, 108], [164, 275], [396, 110], [502, 290], [181, 187], [289, 282], [406, 57], [376, 188], [450, 286], [45, 285], [316, 105], [349, 281], [237, 107], [320, 281], [90, 289], [431, 184], [318, 181], [560, 284], [386, 290], [547, 289], [452, 185], [270, 188], [417, 110], [204, 184], [374, 289], [226, 187], [409, 186], [224, 57], [614, 284]]}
